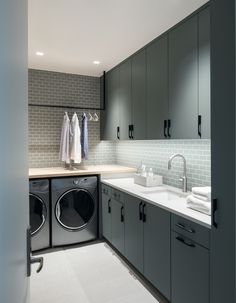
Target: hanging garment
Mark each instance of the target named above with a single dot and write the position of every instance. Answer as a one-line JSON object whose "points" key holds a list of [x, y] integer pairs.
{"points": [[75, 145], [65, 140], [84, 137]]}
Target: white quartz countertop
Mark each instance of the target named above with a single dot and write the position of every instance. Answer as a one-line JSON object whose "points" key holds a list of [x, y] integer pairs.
{"points": [[177, 206], [50, 172]]}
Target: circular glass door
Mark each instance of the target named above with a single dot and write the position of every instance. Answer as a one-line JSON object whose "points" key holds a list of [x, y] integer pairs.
{"points": [[75, 209], [38, 213]]}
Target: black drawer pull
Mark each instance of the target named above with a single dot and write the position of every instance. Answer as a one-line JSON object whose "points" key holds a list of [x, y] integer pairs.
{"points": [[132, 131], [130, 135], [187, 243], [189, 230], [122, 214], [214, 213], [140, 211], [109, 206], [144, 214]]}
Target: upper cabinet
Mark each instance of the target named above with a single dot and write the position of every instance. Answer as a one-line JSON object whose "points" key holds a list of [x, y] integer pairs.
{"points": [[110, 118], [125, 100], [183, 80], [157, 89], [163, 91], [204, 74], [138, 127]]}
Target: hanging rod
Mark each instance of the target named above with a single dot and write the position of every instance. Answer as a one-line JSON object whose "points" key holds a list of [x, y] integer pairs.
{"points": [[65, 106], [75, 107]]}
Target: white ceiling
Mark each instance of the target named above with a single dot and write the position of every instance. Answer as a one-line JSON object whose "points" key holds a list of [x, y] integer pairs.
{"points": [[74, 33]]}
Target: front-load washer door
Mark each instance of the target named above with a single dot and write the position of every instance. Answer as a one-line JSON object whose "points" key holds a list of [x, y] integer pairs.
{"points": [[38, 213], [75, 209]]}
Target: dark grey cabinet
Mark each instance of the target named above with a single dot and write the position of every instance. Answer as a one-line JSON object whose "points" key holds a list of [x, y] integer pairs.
{"points": [[117, 225], [106, 213], [110, 118], [190, 271], [183, 80], [125, 102], [134, 231], [204, 74], [157, 247], [157, 89], [139, 96]]}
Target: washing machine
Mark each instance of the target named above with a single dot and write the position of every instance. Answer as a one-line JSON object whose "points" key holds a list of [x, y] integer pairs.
{"points": [[39, 207], [74, 210]]}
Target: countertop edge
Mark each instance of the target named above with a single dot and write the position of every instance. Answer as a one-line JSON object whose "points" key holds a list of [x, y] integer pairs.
{"points": [[106, 182]]}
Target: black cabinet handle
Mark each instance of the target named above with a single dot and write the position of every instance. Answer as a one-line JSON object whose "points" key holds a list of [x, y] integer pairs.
{"points": [[130, 136], [132, 131], [140, 211], [109, 206], [187, 243], [199, 126], [144, 214], [165, 126], [122, 214], [189, 230], [118, 132], [214, 212], [168, 128]]}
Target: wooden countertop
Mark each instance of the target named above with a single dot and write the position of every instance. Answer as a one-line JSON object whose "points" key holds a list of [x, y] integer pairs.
{"points": [[50, 172]]}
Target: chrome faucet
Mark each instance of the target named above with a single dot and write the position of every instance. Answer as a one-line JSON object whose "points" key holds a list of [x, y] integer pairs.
{"points": [[184, 178]]}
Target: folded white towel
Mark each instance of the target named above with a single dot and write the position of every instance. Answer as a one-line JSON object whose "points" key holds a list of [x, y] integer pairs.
{"points": [[203, 198], [202, 191], [199, 205]]}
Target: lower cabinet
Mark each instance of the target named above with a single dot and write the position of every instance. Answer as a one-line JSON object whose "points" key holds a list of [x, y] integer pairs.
{"points": [[170, 251], [117, 225], [190, 271], [134, 232], [157, 247]]}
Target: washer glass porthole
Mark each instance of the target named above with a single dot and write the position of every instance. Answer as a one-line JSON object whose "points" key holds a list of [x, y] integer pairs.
{"points": [[38, 213]]}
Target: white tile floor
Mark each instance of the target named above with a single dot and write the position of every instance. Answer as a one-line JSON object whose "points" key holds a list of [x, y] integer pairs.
{"points": [[89, 274]]}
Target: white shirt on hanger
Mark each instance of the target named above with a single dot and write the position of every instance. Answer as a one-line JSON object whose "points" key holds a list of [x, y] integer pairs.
{"points": [[65, 140], [75, 144]]}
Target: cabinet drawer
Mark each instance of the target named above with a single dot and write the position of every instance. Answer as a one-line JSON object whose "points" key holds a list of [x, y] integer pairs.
{"points": [[117, 195], [106, 190], [192, 230]]}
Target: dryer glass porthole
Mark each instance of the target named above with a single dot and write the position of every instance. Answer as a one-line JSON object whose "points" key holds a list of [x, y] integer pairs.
{"points": [[75, 209], [38, 213]]}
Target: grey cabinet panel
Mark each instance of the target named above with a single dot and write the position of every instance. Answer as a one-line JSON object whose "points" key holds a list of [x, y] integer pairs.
{"points": [[157, 248], [133, 232], [139, 95], [190, 271], [111, 116], [106, 217], [125, 99], [117, 226], [183, 79], [204, 72], [157, 88]]}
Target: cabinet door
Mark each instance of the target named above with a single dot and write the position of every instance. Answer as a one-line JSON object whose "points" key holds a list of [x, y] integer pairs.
{"points": [[157, 248], [190, 271], [204, 72], [106, 216], [110, 117], [183, 80], [118, 225], [139, 95], [157, 88], [134, 231], [125, 99]]}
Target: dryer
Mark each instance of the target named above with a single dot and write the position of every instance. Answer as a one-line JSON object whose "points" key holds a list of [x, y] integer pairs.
{"points": [[74, 210], [39, 214]]}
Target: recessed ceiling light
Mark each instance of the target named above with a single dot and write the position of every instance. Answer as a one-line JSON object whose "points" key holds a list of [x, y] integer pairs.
{"points": [[40, 54], [96, 62]]}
